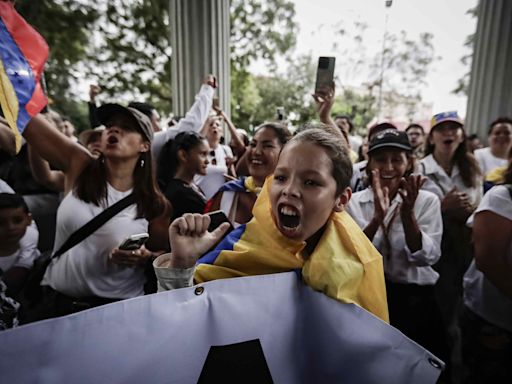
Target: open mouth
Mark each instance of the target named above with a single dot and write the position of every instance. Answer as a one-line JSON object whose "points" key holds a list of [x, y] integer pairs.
{"points": [[289, 218], [387, 177], [112, 140], [448, 142]]}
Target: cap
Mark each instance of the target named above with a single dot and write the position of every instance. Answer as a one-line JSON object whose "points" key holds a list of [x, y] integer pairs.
{"points": [[374, 129], [445, 116], [86, 136], [390, 138], [106, 111]]}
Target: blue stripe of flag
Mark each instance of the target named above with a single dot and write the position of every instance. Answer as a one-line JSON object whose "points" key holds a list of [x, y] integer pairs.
{"points": [[19, 73], [227, 244], [234, 186]]}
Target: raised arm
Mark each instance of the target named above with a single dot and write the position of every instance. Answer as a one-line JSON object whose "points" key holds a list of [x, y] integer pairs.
{"points": [[42, 172], [56, 148], [239, 145], [324, 100], [198, 113]]}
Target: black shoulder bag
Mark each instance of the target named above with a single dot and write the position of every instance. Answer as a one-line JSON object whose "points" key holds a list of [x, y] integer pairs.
{"points": [[32, 290]]}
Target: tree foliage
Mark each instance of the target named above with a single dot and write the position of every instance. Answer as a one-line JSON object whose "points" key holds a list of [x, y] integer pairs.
{"points": [[399, 70], [124, 46], [260, 31], [65, 25], [131, 50]]}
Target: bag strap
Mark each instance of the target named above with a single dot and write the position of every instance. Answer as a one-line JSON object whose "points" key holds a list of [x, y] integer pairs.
{"points": [[88, 228]]}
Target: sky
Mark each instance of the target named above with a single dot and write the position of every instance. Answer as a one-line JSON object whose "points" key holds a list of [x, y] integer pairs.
{"points": [[447, 20]]}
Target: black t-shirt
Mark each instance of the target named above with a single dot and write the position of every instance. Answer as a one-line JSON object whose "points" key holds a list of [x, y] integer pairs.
{"points": [[184, 198]]}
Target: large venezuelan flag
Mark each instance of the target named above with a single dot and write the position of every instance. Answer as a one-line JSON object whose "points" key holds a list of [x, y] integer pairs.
{"points": [[23, 53]]}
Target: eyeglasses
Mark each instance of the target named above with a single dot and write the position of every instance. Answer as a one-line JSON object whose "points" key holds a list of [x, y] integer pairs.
{"points": [[212, 155]]}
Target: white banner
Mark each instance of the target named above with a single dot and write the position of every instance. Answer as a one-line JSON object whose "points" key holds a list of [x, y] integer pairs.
{"points": [[272, 321]]}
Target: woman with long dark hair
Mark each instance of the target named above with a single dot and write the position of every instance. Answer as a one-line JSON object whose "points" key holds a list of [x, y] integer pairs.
{"points": [[454, 175], [95, 271]]}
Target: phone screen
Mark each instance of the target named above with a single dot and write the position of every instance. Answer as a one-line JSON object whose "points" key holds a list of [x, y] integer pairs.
{"points": [[325, 72], [216, 219], [134, 242]]}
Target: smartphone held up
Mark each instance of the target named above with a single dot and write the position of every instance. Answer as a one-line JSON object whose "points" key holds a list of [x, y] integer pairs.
{"points": [[324, 73]]}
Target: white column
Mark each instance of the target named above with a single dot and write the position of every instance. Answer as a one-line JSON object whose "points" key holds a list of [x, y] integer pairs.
{"points": [[200, 45], [490, 90]]}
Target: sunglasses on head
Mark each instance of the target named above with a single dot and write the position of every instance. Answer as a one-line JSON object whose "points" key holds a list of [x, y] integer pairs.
{"points": [[214, 159]]}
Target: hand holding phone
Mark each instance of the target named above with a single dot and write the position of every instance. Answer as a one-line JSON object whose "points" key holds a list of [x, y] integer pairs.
{"points": [[324, 74], [216, 219], [134, 242]]}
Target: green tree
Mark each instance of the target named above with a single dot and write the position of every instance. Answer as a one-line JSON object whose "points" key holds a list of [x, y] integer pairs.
{"points": [[260, 30], [65, 25], [290, 89], [400, 68], [131, 50]]}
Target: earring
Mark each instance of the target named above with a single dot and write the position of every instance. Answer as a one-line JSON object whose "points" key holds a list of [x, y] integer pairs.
{"points": [[142, 163]]}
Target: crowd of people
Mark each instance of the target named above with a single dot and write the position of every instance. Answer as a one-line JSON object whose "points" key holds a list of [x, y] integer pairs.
{"points": [[411, 225]]}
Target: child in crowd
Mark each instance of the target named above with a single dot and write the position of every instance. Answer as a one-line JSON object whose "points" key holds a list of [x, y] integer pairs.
{"points": [[299, 223], [180, 160], [405, 225], [18, 241]]}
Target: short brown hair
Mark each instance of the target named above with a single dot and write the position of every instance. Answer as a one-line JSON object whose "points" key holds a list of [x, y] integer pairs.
{"points": [[335, 148]]}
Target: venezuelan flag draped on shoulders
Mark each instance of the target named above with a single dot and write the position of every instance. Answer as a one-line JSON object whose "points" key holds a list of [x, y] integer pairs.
{"points": [[23, 53], [344, 265]]}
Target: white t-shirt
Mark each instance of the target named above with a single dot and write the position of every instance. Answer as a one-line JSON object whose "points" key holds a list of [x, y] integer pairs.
{"points": [[487, 161], [480, 295], [217, 168], [440, 183], [85, 270], [401, 265], [193, 120]]}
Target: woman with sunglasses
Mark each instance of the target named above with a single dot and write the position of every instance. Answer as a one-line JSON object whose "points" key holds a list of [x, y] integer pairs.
{"points": [[220, 159], [180, 161]]}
